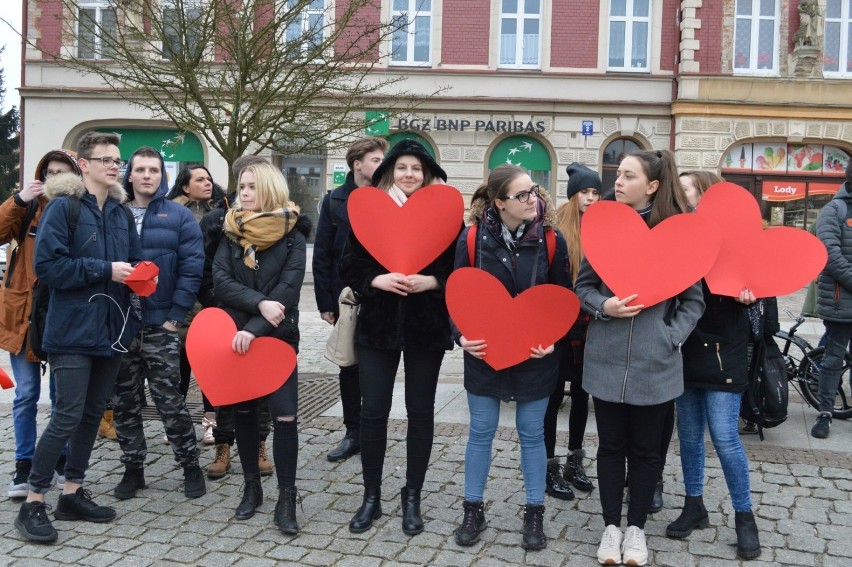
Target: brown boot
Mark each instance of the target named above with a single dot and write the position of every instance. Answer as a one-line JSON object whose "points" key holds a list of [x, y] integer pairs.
{"points": [[263, 462], [106, 429], [222, 463]]}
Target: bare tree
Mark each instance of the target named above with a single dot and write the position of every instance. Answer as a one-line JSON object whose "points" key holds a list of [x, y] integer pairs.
{"points": [[279, 74]]}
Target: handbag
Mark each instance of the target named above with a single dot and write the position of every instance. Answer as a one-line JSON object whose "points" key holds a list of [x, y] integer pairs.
{"points": [[340, 348]]}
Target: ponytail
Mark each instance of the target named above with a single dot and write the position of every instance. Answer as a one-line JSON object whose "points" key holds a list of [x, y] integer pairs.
{"points": [[669, 199]]}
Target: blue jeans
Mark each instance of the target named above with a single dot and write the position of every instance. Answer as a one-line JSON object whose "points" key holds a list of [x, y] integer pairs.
{"points": [[529, 421], [27, 376], [720, 411], [837, 337], [83, 388]]}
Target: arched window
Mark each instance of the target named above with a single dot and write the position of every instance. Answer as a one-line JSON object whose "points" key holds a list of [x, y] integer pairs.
{"points": [[612, 156], [394, 139], [526, 152]]}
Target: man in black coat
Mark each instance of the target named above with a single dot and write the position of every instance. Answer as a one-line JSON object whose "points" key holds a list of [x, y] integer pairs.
{"points": [[333, 228]]}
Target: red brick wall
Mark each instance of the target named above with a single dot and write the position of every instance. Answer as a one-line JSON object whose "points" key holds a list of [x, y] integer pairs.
{"points": [[361, 30], [49, 26], [670, 34], [710, 37], [574, 35], [793, 25], [466, 30]]}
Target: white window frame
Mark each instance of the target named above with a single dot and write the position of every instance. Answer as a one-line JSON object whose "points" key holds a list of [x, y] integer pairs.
{"points": [[412, 13], [519, 34], [325, 13], [629, 21], [754, 21], [100, 6], [172, 5], [843, 57]]}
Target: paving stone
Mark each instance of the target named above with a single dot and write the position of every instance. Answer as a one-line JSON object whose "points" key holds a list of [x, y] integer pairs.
{"points": [[789, 557]]}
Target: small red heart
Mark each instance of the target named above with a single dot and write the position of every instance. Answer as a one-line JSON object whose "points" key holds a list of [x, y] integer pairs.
{"points": [[656, 263], [772, 262], [226, 377], [482, 309], [406, 239]]}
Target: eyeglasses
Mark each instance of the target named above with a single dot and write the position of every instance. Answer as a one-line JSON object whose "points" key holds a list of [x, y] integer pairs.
{"points": [[108, 161], [524, 196]]}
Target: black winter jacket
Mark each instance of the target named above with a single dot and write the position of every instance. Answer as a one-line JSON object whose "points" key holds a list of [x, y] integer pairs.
{"points": [[279, 276], [389, 321], [834, 289], [518, 270], [330, 241], [715, 356]]}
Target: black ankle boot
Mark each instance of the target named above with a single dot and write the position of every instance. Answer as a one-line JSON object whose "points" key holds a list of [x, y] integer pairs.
{"points": [[370, 510], [554, 484], [693, 516], [534, 537], [574, 472], [412, 521], [252, 498], [285, 511], [472, 524], [748, 542], [657, 500]]}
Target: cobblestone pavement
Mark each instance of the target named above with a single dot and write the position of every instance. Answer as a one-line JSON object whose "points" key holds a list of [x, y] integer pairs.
{"points": [[802, 498]]}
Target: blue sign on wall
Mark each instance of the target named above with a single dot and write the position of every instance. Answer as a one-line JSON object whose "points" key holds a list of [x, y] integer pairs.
{"points": [[588, 128]]}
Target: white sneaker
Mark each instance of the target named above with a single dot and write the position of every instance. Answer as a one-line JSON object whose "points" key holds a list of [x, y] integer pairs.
{"points": [[18, 489], [633, 548], [60, 480], [165, 439], [208, 422], [609, 551]]}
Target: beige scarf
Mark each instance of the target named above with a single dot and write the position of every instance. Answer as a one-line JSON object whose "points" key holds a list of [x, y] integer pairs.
{"points": [[398, 195], [255, 231]]}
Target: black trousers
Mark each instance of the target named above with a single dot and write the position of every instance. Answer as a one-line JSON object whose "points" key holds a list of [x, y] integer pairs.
{"points": [[571, 372], [632, 436], [350, 398], [378, 373]]}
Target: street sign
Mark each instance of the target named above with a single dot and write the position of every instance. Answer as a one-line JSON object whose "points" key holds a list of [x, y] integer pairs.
{"points": [[339, 174], [377, 122], [588, 127]]}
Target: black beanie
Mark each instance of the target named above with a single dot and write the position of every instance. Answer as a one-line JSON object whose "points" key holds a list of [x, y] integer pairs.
{"points": [[581, 177], [409, 148]]}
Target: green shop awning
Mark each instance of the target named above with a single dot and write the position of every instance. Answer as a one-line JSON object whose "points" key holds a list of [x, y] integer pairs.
{"points": [[522, 151], [174, 145]]}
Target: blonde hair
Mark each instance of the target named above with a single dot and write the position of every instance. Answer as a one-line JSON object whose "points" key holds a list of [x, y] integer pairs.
{"points": [[568, 217], [271, 191]]}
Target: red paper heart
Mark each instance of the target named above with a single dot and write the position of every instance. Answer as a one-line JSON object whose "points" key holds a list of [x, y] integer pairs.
{"points": [[482, 309], [656, 263], [142, 279], [772, 262], [5, 382], [226, 377], [406, 239]]}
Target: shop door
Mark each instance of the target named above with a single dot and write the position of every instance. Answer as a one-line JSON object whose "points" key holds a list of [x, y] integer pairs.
{"points": [[304, 178]]}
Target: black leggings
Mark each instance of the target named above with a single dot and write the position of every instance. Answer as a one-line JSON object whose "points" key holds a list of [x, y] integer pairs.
{"points": [[377, 369], [579, 412]]}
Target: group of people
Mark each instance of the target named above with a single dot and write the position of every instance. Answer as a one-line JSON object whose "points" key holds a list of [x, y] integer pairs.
{"points": [[246, 253]]}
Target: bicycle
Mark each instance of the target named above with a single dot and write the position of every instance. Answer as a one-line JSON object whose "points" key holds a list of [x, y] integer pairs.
{"points": [[803, 371]]}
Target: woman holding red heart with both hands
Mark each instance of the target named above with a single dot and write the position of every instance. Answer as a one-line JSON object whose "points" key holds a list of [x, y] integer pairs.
{"points": [[257, 278], [401, 315], [633, 367], [511, 215]]}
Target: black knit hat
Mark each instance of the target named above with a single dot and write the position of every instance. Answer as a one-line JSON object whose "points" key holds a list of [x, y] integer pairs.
{"points": [[408, 148], [581, 177]]}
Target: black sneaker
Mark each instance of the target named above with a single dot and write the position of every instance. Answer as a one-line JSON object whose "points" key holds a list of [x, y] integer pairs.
{"points": [[194, 486], [80, 506], [19, 487], [33, 523], [133, 480], [822, 425]]}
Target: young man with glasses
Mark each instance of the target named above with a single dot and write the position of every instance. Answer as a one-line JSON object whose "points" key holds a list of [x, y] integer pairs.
{"points": [[89, 324], [19, 219]]}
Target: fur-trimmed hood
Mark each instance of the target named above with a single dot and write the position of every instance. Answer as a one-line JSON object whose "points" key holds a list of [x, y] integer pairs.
{"points": [[546, 211], [71, 184]]}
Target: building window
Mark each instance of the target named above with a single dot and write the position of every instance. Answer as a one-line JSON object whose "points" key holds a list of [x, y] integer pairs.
{"points": [[838, 38], [528, 153], [411, 43], [613, 154], [629, 35], [308, 26], [94, 20], [182, 24], [756, 37], [520, 34]]}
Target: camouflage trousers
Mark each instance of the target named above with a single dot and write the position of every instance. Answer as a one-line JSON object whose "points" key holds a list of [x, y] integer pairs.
{"points": [[155, 355]]}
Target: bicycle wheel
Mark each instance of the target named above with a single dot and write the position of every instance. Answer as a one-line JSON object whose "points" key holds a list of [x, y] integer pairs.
{"points": [[809, 371]]}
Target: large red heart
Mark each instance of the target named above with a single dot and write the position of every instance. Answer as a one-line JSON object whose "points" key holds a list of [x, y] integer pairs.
{"points": [[226, 377], [482, 309], [772, 262], [656, 263], [406, 239]]}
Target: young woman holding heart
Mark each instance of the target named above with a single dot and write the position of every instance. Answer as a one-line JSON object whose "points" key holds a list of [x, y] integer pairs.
{"points": [[257, 276], [633, 367], [401, 315], [511, 214]]}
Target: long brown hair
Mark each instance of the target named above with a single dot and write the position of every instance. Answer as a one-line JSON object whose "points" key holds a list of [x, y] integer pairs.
{"points": [[495, 187], [702, 180], [568, 217], [668, 199]]}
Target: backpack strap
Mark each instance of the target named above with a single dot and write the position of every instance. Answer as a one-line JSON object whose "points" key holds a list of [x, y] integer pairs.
{"points": [[333, 204], [550, 243], [471, 244]]}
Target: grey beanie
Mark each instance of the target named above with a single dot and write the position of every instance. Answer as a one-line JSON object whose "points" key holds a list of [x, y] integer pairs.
{"points": [[581, 177]]}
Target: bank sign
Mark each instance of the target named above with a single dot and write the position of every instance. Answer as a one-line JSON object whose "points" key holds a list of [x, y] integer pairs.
{"points": [[443, 124]]}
